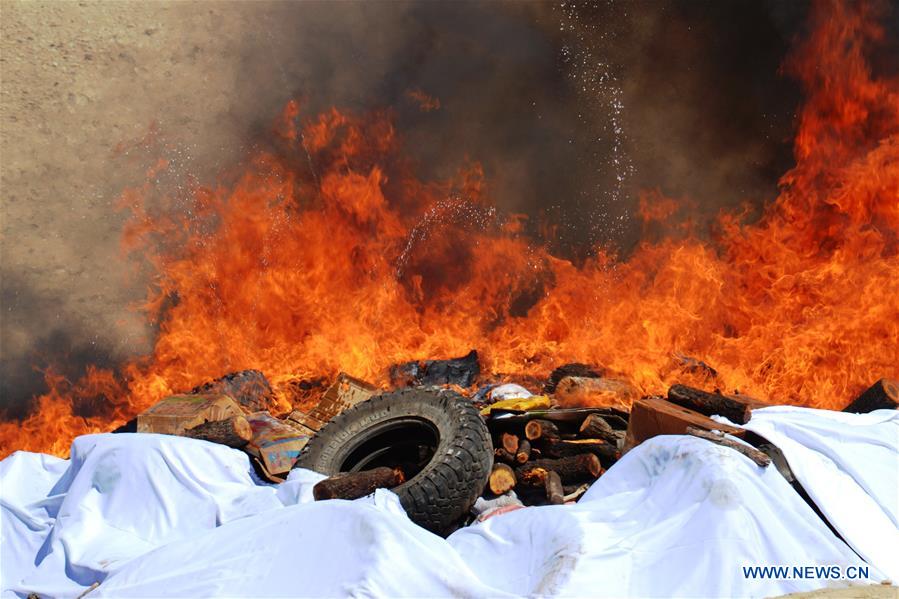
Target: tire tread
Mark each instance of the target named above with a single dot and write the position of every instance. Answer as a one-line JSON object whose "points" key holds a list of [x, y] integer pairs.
{"points": [[443, 492]]}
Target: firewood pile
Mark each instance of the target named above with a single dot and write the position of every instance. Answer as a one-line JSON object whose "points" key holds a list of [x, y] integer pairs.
{"points": [[552, 456], [551, 439]]}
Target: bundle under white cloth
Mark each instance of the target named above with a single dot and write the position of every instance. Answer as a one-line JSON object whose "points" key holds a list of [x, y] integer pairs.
{"points": [[155, 515]]}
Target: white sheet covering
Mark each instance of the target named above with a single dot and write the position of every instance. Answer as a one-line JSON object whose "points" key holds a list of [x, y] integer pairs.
{"points": [[849, 465], [152, 515]]}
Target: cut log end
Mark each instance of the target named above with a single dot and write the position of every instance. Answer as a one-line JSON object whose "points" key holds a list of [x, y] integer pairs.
{"points": [[502, 479], [540, 429], [510, 442]]}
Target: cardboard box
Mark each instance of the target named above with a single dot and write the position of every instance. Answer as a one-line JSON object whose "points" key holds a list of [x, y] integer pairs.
{"points": [[177, 413], [343, 394], [275, 443]]}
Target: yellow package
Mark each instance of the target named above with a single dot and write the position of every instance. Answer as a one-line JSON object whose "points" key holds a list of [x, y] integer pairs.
{"points": [[535, 402]]}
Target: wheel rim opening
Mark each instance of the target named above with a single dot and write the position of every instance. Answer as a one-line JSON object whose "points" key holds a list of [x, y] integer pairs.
{"points": [[405, 443]]}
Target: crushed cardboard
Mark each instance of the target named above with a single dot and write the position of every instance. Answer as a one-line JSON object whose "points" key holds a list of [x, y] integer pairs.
{"points": [[346, 392]]}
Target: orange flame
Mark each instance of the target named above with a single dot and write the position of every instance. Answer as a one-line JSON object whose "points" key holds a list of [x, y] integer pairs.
{"points": [[326, 255]]}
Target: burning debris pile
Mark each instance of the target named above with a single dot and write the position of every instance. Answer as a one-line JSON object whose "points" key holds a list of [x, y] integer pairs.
{"points": [[326, 252], [343, 285], [448, 441]]}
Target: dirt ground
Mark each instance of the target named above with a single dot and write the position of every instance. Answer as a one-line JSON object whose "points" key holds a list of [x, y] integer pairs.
{"points": [[78, 79], [874, 591]]}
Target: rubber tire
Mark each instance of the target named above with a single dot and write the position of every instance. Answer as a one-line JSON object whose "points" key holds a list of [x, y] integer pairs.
{"points": [[442, 493]]}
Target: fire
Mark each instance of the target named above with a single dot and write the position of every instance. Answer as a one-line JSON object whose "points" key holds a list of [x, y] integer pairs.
{"points": [[327, 254]]}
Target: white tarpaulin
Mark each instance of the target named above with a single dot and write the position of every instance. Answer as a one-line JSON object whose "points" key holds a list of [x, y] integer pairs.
{"points": [[152, 515], [849, 466]]}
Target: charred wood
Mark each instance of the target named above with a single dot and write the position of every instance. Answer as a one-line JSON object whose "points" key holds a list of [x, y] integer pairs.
{"points": [[735, 408], [249, 388], [882, 395]]}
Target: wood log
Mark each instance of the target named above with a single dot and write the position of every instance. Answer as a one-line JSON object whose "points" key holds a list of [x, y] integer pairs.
{"points": [[502, 479], [761, 459], [557, 448], [509, 442], [353, 485], [553, 486], [596, 427], [524, 451], [619, 437], [570, 469], [737, 409], [501, 455], [541, 429], [233, 432], [882, 395]]}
